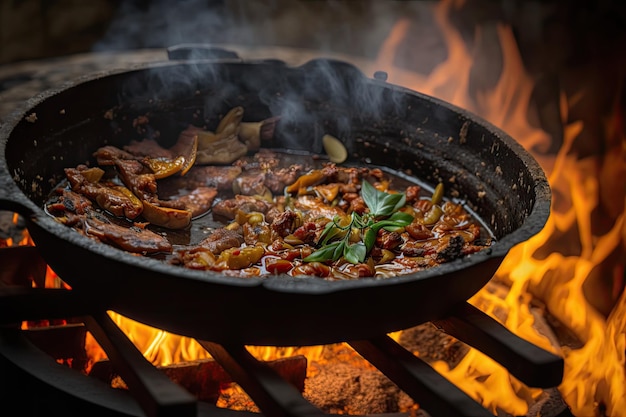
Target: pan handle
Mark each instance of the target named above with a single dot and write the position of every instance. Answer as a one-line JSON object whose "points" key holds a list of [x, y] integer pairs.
{"points": [[11, 199], [200, 51]]}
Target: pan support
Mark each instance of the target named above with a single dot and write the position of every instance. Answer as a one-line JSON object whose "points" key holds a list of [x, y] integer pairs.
{"points": [[154, 394]]}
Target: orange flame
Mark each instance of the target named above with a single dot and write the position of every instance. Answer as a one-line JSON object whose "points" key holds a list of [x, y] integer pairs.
{"points": [[595, 372]]}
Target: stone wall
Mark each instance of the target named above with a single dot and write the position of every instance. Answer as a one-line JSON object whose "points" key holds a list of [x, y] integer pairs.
{"points": [[41, 28], [45, 28]]}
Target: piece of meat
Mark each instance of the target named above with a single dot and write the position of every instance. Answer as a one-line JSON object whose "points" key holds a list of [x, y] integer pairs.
{"points": [[250, 183], [143, 184], [418, 231], [199, 200], [352, 177], [257, 233], [219, 177], [222, 239], [388, 240], [107, 155], [72, 202], [147, 147], [114, 199], [132, 239], [452, 250], [314, 208], [277, 179], [229, 208], [285, 223]]}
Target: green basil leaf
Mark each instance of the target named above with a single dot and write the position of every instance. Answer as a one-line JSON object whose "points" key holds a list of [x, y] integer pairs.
{"points": [[400, 203], [393, 228], [401, 218], [339, 250], [326, 253], [370, 238], [381, 204], [357, 221], [331, 231], [355, 253], [387, 204], [369, 195]]}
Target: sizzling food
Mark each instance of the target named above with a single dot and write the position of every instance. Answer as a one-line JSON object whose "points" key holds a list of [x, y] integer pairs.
{"points": [[217, 201]]}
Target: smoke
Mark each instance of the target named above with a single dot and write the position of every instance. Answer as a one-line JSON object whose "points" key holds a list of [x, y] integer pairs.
{"points": [[354, 28], [337, 27]]}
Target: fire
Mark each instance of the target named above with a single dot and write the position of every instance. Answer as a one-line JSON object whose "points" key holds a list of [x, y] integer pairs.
{"points": [[163, 348], [536, 270]]}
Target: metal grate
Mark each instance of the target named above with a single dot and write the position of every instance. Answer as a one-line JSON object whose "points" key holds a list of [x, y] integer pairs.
{"points": [[154, 394]]}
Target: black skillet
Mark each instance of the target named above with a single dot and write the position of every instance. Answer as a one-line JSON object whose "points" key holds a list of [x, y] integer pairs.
{"points": [[381, 125]]}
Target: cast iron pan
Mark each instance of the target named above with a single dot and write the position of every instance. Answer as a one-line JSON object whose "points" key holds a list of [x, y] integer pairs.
{"points": [[381, 125]]}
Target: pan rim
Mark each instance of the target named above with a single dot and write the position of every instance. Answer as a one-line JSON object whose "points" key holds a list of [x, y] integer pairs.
{"points": [[18, 201]]}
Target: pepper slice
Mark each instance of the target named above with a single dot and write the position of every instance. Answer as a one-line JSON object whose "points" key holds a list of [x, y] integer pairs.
{"points": [[277, 265], [170, 218], [164, 167]]}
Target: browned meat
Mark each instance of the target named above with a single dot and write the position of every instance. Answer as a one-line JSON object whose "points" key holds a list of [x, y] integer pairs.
{"points": [[418, 231], [229, 208], [452, 250], [133, 174], [250, 183], [285, 223], [441, 249], [358, 205], [352, 176], [314, 209], [277, 179], [199, 200], [132, 239], [147, 147], [108, 154], [114, 199], [72, 202], [220, 177], [222, 239], [388, 240], [69, 208], [412, 193], [254, 234], [419, 248], [308, 232]]}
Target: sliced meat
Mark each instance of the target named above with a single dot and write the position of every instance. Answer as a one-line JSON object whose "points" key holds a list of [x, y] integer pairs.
{"points": [[132, 239], [199, 200], [229, 208], [277, 179], [147, 147], [285, 223], [71, 202], [117, 200], [134, 176], [314, 208], [220, 177], [250, 183], [107, 155], [222, 239], [452, 250]]}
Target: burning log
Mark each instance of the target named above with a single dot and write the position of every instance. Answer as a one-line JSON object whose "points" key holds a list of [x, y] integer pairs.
{"points": [[22, 265], [65, 343], [205, 378]]}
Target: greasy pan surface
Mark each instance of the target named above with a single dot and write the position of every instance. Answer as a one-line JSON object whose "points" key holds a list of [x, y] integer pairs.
{"points": [[381, 124]]}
